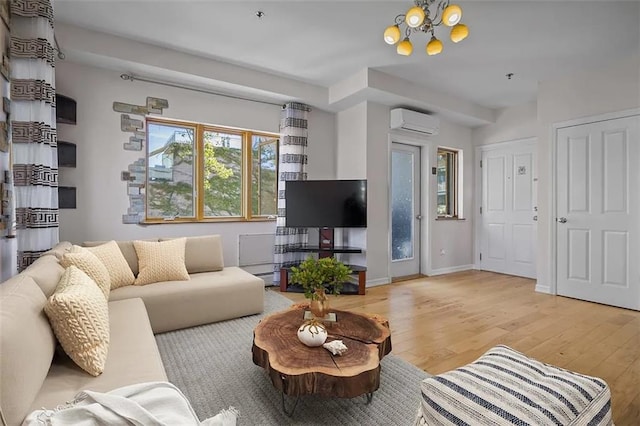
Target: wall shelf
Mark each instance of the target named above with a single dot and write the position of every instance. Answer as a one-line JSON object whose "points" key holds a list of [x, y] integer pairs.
{"points": [[348, 287], [65, 110], [67, 197], [66, 154]]}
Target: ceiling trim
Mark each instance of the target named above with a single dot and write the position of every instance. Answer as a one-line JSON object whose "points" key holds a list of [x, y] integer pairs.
{"points": [[110, 51], [82, 44]]}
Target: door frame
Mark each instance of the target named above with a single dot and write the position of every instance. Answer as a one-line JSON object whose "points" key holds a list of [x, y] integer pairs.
{"points": [[552, 288], [426, 149], [478, 189]]}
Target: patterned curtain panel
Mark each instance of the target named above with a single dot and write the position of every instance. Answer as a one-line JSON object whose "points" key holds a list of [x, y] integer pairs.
{"points": [[33, 117], [291, 166]]}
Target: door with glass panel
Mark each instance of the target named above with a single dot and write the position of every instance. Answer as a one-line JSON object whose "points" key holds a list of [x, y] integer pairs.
{"points": [[405, 210]]}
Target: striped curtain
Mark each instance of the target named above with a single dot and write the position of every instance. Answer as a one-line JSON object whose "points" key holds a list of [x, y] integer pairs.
{"points": [[33, 117], [291, 166]]}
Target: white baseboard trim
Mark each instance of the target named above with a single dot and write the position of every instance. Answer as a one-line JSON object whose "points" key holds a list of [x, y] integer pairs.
{"points": [[540, 288], [378, 281], [450, 270]]}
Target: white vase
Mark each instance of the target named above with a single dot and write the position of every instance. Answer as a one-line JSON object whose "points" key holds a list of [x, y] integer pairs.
{"points": [[312, 334]]}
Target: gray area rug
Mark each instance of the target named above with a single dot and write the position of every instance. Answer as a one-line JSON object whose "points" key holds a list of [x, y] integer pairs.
{"points": [[212, 364]]}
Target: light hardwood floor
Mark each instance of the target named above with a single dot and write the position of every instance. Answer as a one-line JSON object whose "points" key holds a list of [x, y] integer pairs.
{"points": [[444, 322]]}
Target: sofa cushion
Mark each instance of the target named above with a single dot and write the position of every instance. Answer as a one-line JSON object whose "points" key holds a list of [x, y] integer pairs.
{"points": [[111, 256], [27, 345], [133, 358], [46, 272], [160, 261], [202, 254], [127, 249], [80, 319], [207, 297], [88, 263]]}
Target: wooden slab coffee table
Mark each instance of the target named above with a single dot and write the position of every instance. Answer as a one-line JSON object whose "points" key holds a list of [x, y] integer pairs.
{"points": [[296, 369]]}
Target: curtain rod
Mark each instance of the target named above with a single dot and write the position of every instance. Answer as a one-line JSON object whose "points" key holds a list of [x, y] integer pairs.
{"points": [[131, 77], [61, 54]]}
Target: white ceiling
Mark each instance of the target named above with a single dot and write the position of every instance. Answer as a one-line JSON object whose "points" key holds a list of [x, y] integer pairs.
{"points": [[323, 42]]}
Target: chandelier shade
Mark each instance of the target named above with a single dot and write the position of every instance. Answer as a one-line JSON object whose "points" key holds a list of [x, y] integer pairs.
{"points": [[405, 48], [392, 34], [415, 17], [423, 17], [459, 33], [452, 15], [434, 47]]}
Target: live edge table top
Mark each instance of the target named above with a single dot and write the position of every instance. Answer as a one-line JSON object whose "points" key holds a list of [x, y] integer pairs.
{"points": [[296, 369]]}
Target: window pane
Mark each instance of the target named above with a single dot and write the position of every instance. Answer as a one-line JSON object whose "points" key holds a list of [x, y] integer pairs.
{"points": [[170, 177], [264, 183], [222, 174], [446, 178], [401, 205]]}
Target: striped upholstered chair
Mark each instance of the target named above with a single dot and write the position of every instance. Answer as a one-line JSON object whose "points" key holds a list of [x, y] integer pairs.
{"points": [[505, 387]]}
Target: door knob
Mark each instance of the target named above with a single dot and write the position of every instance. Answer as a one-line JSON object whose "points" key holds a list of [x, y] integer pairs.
{"points": [[562, 219], [419, 217]]}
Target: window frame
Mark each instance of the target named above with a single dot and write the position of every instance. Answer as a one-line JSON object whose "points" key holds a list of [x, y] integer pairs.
{"points": [[453, 186], [246, 167]]}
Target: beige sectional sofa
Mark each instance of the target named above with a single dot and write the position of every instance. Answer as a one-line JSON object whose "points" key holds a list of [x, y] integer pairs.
{"points": [[35, 374]]}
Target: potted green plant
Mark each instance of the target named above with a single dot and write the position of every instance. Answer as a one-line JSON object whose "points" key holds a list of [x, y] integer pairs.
{"points": [[317, 276]]}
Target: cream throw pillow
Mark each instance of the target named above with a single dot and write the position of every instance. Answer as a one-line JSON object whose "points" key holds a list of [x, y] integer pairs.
{"points": [[79, 317], [161, 261], [117, 267], [90, 265]]}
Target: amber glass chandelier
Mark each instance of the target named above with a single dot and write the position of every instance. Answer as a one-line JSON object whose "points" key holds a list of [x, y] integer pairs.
{"points": [[422, 17]]}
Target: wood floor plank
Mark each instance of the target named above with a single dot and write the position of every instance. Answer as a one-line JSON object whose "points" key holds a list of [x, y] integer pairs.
{"points": [[440, 323]]}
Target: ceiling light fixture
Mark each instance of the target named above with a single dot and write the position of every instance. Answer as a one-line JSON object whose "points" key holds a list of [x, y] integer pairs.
{"points": [[419, 18]]}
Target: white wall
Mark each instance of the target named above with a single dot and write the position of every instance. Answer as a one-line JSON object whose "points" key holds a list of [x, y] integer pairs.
{"points": [[455, 237], [615, 87], [351, 163], [378, 245], [513, 123], [517, 122], [322, 145], [351, 158], [101, 195], [368, 124], [610, 89]]}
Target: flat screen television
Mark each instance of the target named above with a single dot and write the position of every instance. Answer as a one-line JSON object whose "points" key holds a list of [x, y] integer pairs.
{"points": [[326, 203]]}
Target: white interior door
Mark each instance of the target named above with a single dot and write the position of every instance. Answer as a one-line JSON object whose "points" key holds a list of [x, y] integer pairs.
{"points": [[509, 214], [598, 184], [405, 210]]}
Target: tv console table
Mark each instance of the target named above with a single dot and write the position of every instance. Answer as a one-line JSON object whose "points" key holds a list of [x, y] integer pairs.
{"points": [[361, 271]]}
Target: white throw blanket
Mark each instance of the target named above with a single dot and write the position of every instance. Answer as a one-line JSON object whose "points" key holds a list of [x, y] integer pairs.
{"points": [[148, 404]]}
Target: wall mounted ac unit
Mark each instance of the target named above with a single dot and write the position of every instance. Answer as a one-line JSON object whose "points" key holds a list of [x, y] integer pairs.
{"points": [[414, 121]]}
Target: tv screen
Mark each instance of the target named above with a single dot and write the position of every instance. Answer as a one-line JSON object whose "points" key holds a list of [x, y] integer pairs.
{"points": [[326, 203]]}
